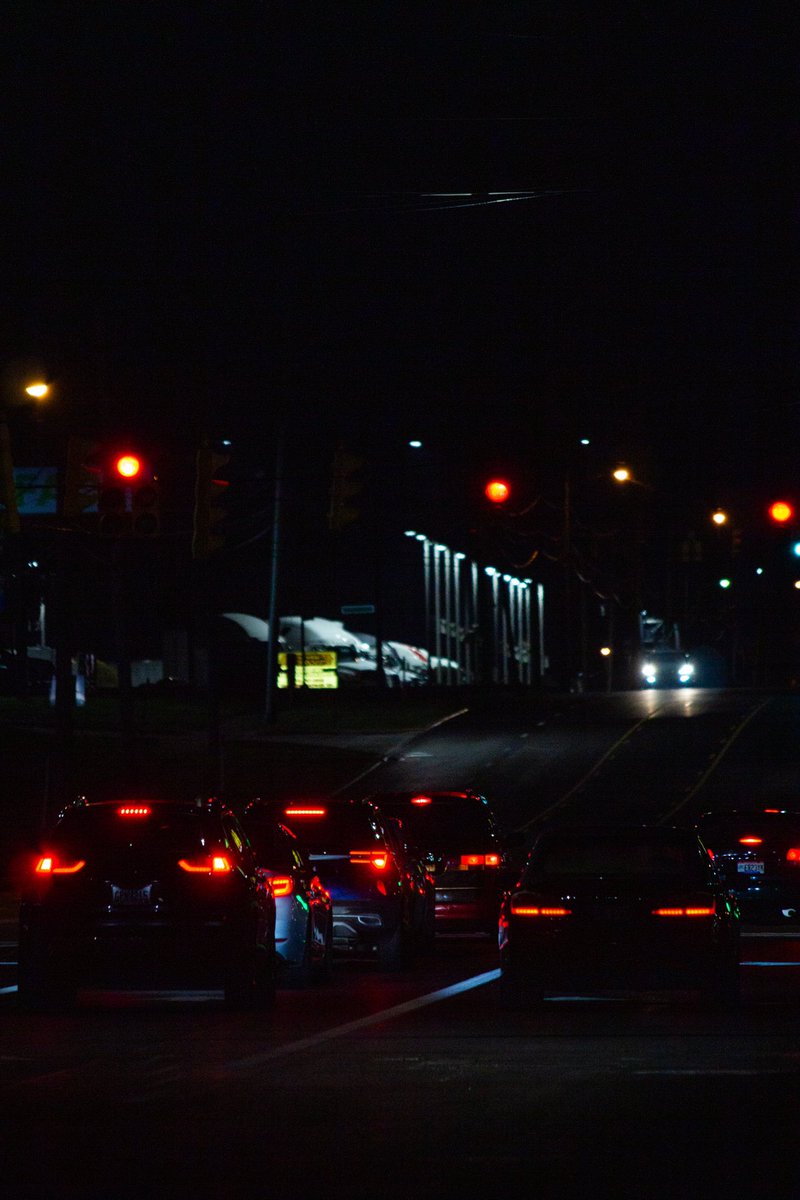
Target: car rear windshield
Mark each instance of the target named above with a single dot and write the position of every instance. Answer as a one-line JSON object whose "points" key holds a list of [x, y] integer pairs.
{"points": [[275, 848], [339, 830], [615, 854], [726, 828], [444, 824], [104, 829]]}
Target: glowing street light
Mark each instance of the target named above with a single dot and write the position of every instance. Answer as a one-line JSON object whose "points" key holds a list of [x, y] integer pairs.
{"points": [[622, 474], [720, 517], [38, 390]]}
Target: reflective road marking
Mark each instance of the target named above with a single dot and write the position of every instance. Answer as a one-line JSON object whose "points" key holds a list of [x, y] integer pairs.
{"points": [[388, 1014]]}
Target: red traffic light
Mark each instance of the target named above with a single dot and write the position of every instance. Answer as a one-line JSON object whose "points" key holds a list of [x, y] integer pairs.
{"points": [[128, 466], [497, 490], [781, 511]]}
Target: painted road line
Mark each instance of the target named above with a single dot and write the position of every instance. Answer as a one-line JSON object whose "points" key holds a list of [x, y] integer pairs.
{"points": [[716, 760], [593, 771], [387, 1014]]}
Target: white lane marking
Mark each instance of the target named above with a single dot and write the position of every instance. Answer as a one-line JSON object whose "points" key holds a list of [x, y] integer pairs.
{"points": [[766, 963], [786, 937], [387, 1014], [722, 1071]]}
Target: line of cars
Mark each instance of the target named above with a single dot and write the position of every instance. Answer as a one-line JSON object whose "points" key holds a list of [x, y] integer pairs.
{"points": [[171, 893], [192, 893]]}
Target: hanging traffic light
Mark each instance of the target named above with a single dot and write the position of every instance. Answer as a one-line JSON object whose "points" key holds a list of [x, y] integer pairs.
{"points": [[81, 479], [781, 512], [497, 490], [345, 484], [209, 512], [128, 500]]}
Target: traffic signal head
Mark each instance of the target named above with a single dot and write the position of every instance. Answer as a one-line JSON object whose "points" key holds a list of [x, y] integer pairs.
{"points": [[128, 466], [346, 483], [129, 500], [82, 478], [209, 510], [497, 490], [781, 512]]}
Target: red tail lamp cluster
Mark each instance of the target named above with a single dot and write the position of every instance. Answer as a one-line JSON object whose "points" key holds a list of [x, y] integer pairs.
{"points": [[379, 859]]}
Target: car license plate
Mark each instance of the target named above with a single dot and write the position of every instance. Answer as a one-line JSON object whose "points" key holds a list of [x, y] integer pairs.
{"points": [[750, 868], [126, 897]]}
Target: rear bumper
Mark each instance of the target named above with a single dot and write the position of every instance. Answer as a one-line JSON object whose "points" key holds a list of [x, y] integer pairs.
{"points": [[363, 924], [147, 952], [612, 960], [467, 904]]}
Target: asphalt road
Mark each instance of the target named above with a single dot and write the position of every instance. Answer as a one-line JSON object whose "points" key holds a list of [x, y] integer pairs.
{"points": [[418, 1083]]}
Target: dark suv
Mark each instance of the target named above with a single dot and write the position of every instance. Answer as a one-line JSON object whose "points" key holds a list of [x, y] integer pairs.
{"points": [[457, 836], [382, 897], [146, 893]]}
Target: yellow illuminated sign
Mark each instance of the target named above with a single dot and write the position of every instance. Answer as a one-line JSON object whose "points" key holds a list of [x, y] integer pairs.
{"points": [[314, 669]]}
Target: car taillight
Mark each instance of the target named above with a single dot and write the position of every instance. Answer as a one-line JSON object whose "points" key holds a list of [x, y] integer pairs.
{"points": [[479, 860], [305, 810], [750, 841], [282, 885], [134, 810], [379, 859], [793, 854], [688, 910], [421, 800], [211, 864], [49, 864], [522, 909]]}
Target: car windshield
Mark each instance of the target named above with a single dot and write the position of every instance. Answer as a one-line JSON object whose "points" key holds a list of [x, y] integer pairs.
{"points": [[668, 857], [458, 823]]}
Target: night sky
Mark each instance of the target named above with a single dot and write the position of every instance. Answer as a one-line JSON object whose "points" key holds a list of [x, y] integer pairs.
{"points": [[218, 212]]}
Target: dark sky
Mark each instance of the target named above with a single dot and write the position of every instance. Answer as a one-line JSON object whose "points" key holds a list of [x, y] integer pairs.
{"points": [[213, 211]]}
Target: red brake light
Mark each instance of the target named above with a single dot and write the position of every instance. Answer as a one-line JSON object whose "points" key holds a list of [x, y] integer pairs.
{"points": [[793, 854], [282, 885], [48, 864], [134, 810], [751, 841], [539, 910], [697, 910], [379, 859], [420, 800], [479, 860], [295, 810], [214, 864]]}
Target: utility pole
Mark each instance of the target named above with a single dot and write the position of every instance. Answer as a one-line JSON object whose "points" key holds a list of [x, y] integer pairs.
{"points": [[272, 618]]}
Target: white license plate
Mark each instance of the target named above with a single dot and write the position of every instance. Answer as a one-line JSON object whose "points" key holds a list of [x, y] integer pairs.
{"points": [[125, 897], [750, 868]]}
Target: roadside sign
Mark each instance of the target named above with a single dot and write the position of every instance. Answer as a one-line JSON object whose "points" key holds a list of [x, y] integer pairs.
{"points": [[314, 669], [349, 610]]}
